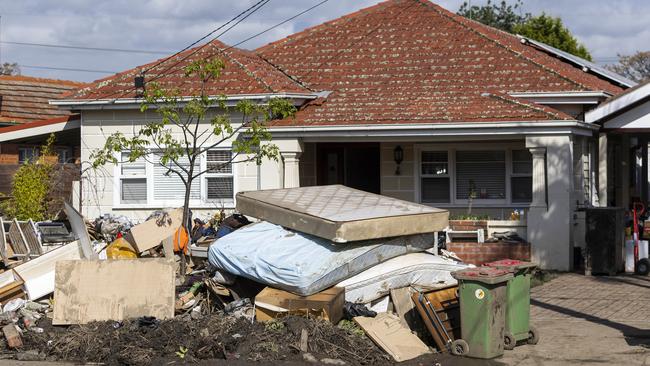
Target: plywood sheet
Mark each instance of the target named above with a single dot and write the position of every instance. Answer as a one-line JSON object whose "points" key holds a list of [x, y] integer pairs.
{"points": [[38, 274], [392, 336], [340, 213], [87, 291]]}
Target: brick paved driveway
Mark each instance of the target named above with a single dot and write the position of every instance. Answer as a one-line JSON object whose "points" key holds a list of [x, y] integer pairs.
{"points": [[589, 320]]}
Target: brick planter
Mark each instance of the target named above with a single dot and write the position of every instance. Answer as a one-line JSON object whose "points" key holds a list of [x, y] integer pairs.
{"points": [[478, 254], [467, 225]]}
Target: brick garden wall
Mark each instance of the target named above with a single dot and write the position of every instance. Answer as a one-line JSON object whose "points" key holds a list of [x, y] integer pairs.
{"points": [[479, 253]]}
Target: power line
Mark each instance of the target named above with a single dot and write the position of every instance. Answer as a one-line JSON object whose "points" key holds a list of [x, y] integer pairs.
{"points": [[65, 69], [250, 9], [279, 24], [49, 45]]}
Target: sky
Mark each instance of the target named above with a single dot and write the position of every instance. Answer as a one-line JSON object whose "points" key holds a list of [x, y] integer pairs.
{"points": [[606, 27]]}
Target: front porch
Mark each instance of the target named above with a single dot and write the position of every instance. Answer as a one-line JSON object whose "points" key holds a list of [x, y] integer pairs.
{"points": [[537, 182]]}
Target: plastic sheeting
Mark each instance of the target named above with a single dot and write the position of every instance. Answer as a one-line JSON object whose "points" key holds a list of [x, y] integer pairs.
{"points": [[420, 270], [302, 263]]}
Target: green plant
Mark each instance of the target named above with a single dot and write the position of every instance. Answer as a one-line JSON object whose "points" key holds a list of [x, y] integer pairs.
{"points": [[182, 351], [351, 327], [274, 325], [31, 186]]}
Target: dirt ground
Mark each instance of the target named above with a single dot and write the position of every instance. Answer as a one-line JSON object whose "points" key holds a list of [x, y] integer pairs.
{"points": [[211, 340]]}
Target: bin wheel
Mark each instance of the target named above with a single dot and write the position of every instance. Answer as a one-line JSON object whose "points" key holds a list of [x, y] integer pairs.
{"points": [[459, 347], [533, 335], [643, 267], [509, 341]]}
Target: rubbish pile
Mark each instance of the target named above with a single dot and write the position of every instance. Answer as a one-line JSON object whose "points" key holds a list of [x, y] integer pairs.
{"points": [[314, 274]]}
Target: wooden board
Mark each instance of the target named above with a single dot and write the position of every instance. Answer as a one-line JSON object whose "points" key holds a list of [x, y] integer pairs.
{"points": [[403, 304], [273, 303], [3, 244], [31, 238], [18, 243], [89, 290], [446, 305], [392, 336]]}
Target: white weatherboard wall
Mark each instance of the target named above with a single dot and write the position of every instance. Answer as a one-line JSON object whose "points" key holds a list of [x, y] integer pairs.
{"points": [[99, 185]]}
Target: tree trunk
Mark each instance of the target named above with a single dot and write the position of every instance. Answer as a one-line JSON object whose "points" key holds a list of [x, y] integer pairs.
{"points": [[186, 218]]}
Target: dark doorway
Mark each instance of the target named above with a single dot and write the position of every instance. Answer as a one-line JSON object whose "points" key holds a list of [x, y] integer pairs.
{"points": [[354, 165]]}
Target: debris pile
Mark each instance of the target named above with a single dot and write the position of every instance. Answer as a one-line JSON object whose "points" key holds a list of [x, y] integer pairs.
{"points": [[315, 274]]}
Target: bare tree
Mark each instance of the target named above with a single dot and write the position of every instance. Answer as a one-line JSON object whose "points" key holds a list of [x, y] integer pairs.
{"points": [[635, 67], [9, 69]]}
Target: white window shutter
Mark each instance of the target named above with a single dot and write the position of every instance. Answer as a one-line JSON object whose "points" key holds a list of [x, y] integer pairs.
{"points": [[170, 186]]}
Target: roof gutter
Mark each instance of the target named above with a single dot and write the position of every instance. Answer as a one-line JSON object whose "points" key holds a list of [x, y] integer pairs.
{"points": [[440, 129], [572, 97], [127, 103]]}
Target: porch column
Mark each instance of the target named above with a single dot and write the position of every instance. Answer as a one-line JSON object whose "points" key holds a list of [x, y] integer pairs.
{"points": [[290, 150], [602, 170], [539, 177], [550, 217], [291, 169]]}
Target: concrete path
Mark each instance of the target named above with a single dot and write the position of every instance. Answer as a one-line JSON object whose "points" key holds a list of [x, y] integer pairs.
{"points": [[588, 321]]}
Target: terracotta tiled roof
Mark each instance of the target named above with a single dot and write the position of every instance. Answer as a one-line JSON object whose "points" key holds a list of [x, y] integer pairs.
{"points": [[26, 99], [409, 61], [244, 73]]}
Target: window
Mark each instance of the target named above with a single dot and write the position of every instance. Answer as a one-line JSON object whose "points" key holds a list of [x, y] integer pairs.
{"points": [[521, 179], [26, 154], [168, 186], [434, 172], [481, 174], [133, 180], [64, 155], [219, 177]]}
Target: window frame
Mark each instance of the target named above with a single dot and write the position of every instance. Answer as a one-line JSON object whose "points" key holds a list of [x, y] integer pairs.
{"points": [[219, 201], [451, 149], [36, 152], [122, 177], [152, 203], [519, 175], [451, 172]]}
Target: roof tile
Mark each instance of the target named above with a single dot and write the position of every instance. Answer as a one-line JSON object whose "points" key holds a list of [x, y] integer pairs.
{"points": [[410, 61]]}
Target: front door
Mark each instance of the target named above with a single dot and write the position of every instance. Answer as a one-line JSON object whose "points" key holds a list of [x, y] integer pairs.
{"points": [[354, 165]]}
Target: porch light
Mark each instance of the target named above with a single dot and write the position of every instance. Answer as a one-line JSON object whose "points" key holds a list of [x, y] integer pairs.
{"points": [[398, 155]]}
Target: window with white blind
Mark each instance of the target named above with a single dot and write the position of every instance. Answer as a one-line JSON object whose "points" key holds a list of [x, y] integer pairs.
{"points": [[149, 183], [434, 173], [133, 180], [481, 174], [219, 177], [488, 176], [168, 186], [521, 177]]}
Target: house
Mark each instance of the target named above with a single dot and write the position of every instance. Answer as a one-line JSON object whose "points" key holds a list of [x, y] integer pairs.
{"points": [[25, 100], [403, 98]]}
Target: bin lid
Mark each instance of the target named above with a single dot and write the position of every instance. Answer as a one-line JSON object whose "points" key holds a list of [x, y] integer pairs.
{"points": [[510, 264], [483, 274]]}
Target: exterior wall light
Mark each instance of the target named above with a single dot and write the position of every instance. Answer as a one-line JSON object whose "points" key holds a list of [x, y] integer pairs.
{"points": [[398, 155]]}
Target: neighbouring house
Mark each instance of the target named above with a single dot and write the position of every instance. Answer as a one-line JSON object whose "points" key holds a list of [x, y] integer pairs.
{"points": [[403, 98], [26, 121]]}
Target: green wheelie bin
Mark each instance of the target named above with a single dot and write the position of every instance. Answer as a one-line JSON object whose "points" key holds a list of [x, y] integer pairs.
{"points": [[518, 326], [482, 294]]}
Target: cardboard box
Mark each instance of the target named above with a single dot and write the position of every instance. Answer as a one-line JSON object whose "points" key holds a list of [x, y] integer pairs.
{"points": [[327, 304], [152, 232]]}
